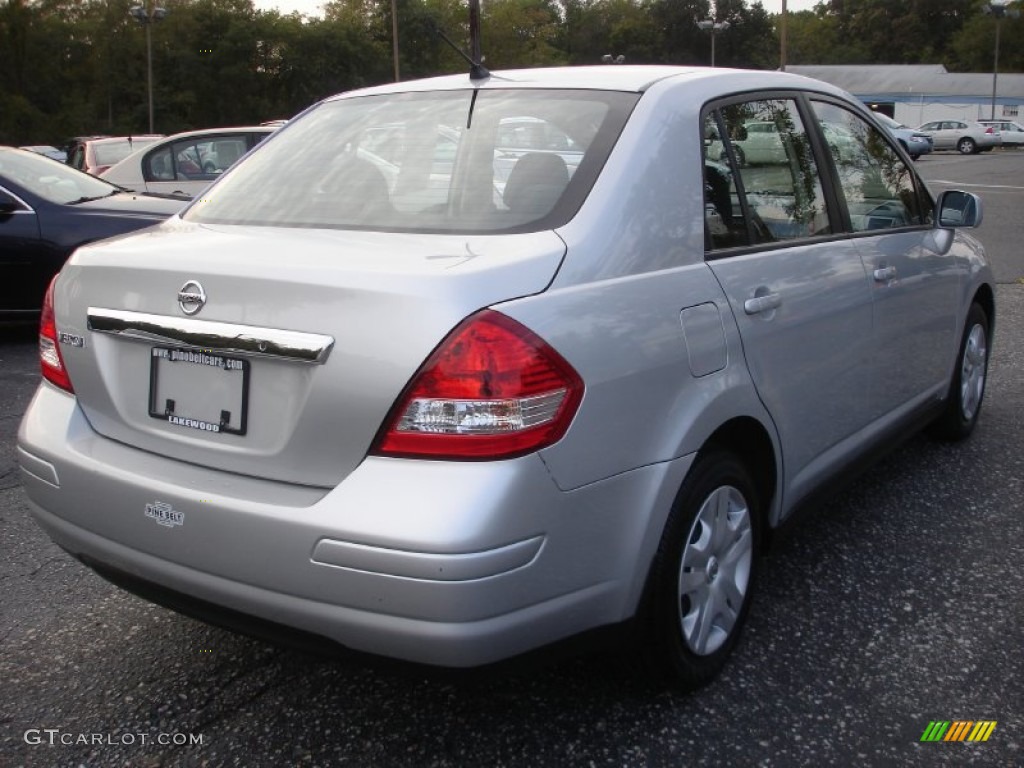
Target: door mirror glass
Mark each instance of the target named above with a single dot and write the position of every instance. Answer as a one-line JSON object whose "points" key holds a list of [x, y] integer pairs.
{"points": [[959, 209]]}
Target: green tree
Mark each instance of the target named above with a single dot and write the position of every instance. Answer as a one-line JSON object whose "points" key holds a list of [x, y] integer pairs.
{"points": [[974, 46]]}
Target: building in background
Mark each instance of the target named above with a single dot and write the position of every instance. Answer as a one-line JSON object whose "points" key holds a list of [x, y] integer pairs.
{"points": [[917, 93]]}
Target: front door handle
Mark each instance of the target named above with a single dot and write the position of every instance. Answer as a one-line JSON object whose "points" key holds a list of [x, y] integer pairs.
{"points": [[764, 303], [885, 274]]}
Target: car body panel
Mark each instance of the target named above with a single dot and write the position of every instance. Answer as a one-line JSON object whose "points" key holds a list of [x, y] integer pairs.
{"points": [[799, 335], [582, 575], [296, 430]]}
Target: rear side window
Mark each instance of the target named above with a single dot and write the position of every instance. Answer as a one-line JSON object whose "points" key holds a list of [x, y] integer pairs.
{"points": [[196, 159], [111, 152], [762, 183], [450, 161]]}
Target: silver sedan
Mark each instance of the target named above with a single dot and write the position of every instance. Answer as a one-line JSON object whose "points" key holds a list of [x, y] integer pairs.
{"points": [[397, 406], [966, 137]]}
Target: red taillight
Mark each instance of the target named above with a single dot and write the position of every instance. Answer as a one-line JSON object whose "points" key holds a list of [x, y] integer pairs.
{"points": [[50, 359], [492, 390]]}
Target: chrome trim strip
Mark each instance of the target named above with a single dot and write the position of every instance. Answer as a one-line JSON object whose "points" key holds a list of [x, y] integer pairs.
{"points": [[27, 209], [250, 340]]}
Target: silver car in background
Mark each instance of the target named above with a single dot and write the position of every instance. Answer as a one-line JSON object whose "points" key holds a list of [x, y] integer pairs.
{"points": [[966, 137], [436, 417]]}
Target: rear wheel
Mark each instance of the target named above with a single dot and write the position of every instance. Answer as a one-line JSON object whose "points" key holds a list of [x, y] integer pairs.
{"points": [[703, 573], [967, 389], [966, 146]]}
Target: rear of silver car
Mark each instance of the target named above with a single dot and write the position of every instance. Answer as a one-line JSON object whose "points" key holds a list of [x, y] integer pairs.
{"points": [[243, 409]]}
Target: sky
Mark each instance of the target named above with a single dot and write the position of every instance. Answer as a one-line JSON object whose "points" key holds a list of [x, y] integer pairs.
{"points": [[313, 7]]}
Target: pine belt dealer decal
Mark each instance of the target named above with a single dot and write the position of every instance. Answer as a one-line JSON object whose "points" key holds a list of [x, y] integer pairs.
{"points": [[958, 730], [165, 514]]}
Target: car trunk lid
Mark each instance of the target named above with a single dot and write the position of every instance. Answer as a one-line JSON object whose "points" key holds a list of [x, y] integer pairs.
{"points": [[295, 357]]}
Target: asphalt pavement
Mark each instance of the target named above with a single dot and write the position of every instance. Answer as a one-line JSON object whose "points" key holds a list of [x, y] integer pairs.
{"points": [[897, 604]]}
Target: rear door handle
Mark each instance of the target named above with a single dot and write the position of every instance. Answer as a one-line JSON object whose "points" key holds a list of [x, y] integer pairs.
{"points": [[764, 303], [885, 274]]}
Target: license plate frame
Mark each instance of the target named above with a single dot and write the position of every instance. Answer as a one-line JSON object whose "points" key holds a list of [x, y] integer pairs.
{"points": [[234, 415]]}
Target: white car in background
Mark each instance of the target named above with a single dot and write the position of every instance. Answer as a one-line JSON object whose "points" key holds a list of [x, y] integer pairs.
{"points": [[183, 165], [1010, 132]]}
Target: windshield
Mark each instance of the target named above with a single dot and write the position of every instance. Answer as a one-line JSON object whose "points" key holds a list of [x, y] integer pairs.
{"points": [[887, 121], [445, 161], [50, 180]]}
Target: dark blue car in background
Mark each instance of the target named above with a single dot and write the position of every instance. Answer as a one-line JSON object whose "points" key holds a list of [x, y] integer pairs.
{"points": [[46, 211]]}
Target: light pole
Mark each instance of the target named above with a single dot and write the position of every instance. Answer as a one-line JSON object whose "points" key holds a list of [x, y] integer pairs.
{"points": [[714, 27], [394, 37], [998, 11], [782, 39], [147, 18]]}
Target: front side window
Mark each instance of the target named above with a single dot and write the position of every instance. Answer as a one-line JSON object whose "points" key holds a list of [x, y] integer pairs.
{"points": [[427, 162], [879, 189], [763, 150]]}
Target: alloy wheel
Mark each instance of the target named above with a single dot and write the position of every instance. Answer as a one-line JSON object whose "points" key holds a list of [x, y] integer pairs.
{"points": [[714, 572], [972, 371]]}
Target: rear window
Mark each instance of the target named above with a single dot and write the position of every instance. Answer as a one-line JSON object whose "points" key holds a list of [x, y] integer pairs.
{"points": [[111, 152], [468, 161]]}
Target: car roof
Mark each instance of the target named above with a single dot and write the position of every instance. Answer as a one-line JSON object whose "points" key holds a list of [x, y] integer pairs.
{"points": [[117, 139], [631, 78], [218, 131]]}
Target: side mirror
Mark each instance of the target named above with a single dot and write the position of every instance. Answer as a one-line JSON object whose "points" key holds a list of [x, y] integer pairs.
{"points": [[958, 209]]}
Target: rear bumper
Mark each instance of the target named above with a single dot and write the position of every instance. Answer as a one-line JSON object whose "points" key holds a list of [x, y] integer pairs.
{"points": [[457, 564]]}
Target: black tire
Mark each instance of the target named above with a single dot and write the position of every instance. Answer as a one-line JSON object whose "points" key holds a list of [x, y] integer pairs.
{"points": [[966, 146], [713, 533], [967, 387]]}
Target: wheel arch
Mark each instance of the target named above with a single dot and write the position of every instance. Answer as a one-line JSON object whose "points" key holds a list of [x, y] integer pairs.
{"points": [[749, 440], [986, 299]]}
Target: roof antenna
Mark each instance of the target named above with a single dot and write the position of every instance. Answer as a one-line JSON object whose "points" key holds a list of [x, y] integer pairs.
{"points": [[477, 70]]}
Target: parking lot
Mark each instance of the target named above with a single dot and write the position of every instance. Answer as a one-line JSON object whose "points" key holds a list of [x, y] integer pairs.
{"points": [[897, 604]]}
